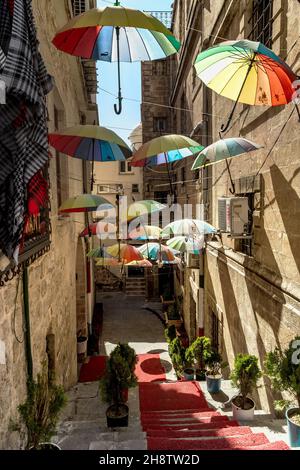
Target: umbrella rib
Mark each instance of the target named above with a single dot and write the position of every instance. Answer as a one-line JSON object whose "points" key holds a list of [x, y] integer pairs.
{"points": [[142, 39], [236, 71]]}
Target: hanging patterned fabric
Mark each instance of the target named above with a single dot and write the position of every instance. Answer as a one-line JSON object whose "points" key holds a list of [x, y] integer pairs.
{"points": [[23, 127]]}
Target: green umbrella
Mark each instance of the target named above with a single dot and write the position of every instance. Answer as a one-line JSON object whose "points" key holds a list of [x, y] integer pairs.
{"points": [[85, 203]]}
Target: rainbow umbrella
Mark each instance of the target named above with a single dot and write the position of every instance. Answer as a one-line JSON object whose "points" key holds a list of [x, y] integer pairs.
{"points": [[142, 208], [116, 34], [188, 227], [85, 203], [146, 232], [91, 143], [186, 244], [224, 149], [144, 263], [246, 72], [165, 149], [98, 252], [102, 229], [125, 253], [157, 252]]}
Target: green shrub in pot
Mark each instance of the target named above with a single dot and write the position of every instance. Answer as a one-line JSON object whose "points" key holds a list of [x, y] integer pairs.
{"points": [[200, 350]]}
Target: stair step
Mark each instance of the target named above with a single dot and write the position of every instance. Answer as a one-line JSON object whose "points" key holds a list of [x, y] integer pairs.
{"points": [[185, 422], [130, 444], [188, 433], [183, 416], [279, 445], [211, 443], [194, 427]]}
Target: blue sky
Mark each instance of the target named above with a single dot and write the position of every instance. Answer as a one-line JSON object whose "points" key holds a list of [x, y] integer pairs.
{"points": [[131, 80]]}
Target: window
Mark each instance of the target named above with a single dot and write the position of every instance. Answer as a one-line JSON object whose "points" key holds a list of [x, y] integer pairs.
{"points": [[183, 176], [135, 188], [261, 22], [109, 188], [160, 67], [246, 243], [214, 330], [159, 124], [78, 7], [125, 167]]}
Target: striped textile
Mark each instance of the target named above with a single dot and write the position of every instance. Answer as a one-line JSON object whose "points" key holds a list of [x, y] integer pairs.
{"points": [[24, 145]]}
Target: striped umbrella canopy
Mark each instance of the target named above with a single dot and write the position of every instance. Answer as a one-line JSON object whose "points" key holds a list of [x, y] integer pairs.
{"points": [[116, 34], [101, 229], [157, 252], [186, 244], [125, 253], [144, 263], [165, 149], [85, 203], [146, 232], [246, 72], [224, 148], [188, 227], [142, 208], [90, 142]]}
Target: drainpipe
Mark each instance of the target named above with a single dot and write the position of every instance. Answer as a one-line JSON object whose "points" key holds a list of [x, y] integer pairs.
{"points": [[27, 324]]}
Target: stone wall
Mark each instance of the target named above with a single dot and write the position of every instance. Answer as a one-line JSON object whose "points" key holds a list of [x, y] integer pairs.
{"points": [[52, 278]]}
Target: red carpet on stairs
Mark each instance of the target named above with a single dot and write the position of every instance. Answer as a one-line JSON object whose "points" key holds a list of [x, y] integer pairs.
{"points": [[92, 370], [149, 368], [176, 416]]}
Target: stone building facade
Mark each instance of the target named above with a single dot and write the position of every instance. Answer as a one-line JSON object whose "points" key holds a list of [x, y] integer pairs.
{"points": [[250, 301], [59, 302]]}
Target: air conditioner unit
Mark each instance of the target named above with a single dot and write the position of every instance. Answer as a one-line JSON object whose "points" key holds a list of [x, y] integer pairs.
{"points": [[233, 215]]}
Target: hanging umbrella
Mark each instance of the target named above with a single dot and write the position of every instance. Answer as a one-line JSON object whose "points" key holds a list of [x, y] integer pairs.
{"points": [[107, 262], [116, 34], [102, 229], [188, 227], [246, 72], [186, 244], [85, 203], [157, 252], [144, 263], [91, 143], [223, 149], [98, 252], [165, 149], [142, 208], [146, 232], [125, 253]]}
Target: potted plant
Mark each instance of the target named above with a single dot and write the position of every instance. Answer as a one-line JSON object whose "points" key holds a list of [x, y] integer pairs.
{"points": [[214, 372], [200, 350], [283, 368], [244, 376], [40, 412], [130, 357], [119, 376], [188, 370], [170, 333]]}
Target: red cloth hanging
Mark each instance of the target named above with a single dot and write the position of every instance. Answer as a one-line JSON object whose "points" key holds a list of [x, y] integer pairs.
{"points": [[37, 193], [11, 4]]}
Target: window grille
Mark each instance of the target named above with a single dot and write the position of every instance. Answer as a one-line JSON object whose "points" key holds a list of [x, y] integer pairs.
{"points": [[135, 188], [164, 17], [159, 124], [125, 167], [261, 22], [79, 6]]}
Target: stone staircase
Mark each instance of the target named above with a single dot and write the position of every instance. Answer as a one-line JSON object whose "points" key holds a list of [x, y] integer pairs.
{"points": [[135, 286]]}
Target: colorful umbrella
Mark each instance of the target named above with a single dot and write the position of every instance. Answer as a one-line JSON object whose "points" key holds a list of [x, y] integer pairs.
{"points": [[117, 34], [142, 208], [98, 252], [125, 253], [246, 72], [186, 244], [108, 262], [188, 227], [157, 252], [91, 143], [223, 149], [146, 232], [85, 203], [144, 263], [165, 149], [103, 230]]}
